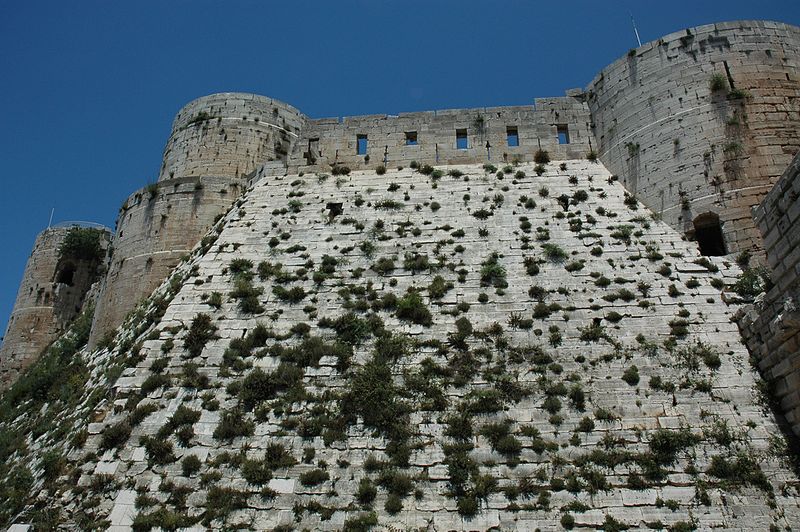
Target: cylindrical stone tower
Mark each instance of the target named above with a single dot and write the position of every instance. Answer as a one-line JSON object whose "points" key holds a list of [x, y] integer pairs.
{"points": [[701, 123], [216, 141], [52, 292], [229, 135]]}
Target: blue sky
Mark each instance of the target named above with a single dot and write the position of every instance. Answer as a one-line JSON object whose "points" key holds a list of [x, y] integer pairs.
{"points": [[88, 89]]}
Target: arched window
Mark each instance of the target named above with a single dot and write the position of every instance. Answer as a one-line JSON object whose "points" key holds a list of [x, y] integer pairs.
{"points": [[708, 234]]}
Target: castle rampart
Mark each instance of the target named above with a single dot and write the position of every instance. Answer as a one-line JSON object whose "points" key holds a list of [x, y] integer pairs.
{"points": [[452, 136], [688, 147], [695, 154]]}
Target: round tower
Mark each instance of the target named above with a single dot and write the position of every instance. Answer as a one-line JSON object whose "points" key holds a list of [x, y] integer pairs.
{"points": [[701, 123], [229, 135], [65, 262], [216, 140]]}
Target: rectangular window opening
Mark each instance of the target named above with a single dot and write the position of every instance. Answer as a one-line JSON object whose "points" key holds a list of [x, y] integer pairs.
{"points": [[461, 139], [361, 144], [563, 134], [411, 138], [513, 136]]}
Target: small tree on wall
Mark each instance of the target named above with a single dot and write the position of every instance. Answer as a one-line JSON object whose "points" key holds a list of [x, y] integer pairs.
{"points": [[82, 243]]}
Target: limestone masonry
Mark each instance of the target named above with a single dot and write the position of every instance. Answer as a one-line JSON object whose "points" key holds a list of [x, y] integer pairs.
{"points": [[580, 313]]}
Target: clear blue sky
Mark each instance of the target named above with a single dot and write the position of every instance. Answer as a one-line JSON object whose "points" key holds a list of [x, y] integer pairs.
{"points": [[88, 89]]}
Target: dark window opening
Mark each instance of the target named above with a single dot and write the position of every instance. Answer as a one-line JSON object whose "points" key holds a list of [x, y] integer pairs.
{"points": [[563, 134], [361, 145], [411, 138], [462, 143], [334, 210], [66, 275], [513, 136], [312, 152], [708, 234]]}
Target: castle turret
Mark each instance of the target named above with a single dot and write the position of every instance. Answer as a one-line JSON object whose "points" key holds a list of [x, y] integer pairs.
{"points": [[64, 264], [700, 124], [229, 135], [216, 141]]}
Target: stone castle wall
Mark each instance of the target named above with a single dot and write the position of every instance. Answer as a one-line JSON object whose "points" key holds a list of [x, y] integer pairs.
{"points": [[329, 141], [686, 150], [156, 227], [651, 116], [229, 134], [51, 294], [771, 327]]}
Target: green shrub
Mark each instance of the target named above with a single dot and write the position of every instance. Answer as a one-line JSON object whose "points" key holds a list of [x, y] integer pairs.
{"points": [[388, 205], [665, 444], [314, 477], [158, 451], [631, 376], [162, 518], [412, 308], [585, 425], [256, 472], [541, 157], [393, 504], [154, 382], [52, 465], [741, 469], [383, 266], [247, 296], [232, 424], [366, 492], [200, 332], [493, 273], [260, 386], [82, 243], [292, 295], [222, 501], [717, 82], [553, 252], [752, 282], [416, 262], [114, 436], [191, 464], [360, 523], [439, 287], [241, 267], [373, 396]]}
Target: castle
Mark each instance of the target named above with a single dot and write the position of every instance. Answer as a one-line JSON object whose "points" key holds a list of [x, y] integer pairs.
{"points": [[689, 141]]}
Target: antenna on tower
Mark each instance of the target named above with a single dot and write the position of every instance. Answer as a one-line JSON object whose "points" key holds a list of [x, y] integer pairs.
{"points": [[633, 21], [51, 217]]}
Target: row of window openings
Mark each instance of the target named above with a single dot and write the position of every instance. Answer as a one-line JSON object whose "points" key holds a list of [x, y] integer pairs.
{"points": [[462, 140]]}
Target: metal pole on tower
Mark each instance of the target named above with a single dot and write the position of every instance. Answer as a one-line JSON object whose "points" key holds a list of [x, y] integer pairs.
{"points": [[636, 31], [51, 217]]}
